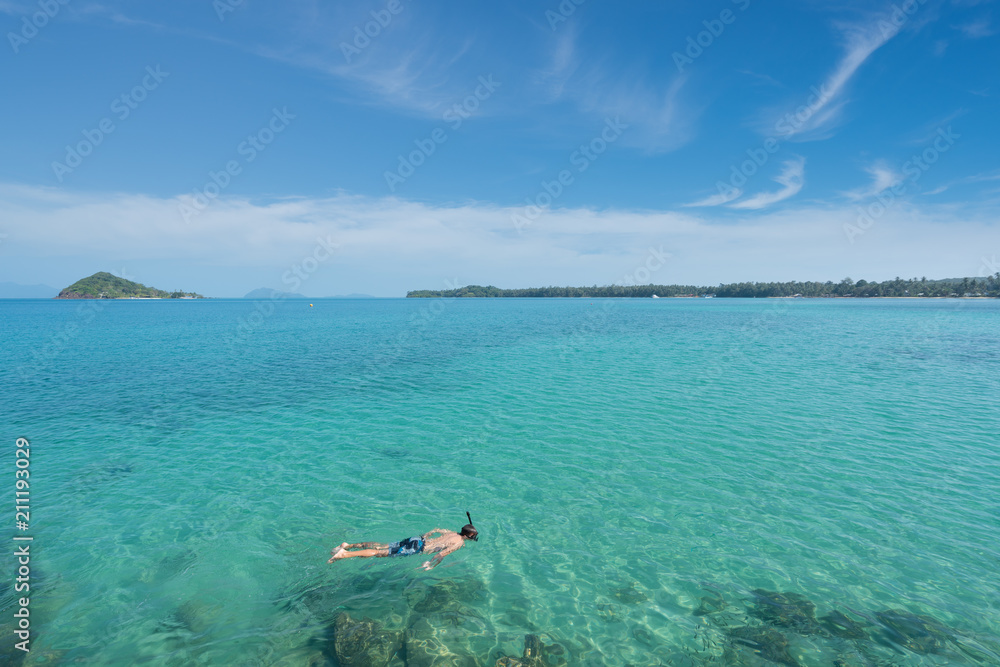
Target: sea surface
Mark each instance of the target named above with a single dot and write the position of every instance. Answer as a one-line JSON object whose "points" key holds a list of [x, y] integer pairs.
{"points": [[655, 482]]}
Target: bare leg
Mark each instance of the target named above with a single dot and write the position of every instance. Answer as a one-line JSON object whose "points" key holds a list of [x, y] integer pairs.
{"points": [[337, 551], [360, 549], [362, 553]]}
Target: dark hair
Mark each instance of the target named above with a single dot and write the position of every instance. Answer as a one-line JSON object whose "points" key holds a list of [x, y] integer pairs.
{"points": [[469, 531]]}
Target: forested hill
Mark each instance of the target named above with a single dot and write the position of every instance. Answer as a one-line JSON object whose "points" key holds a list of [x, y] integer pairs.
{"points": [[104, 285], [914, 287]]}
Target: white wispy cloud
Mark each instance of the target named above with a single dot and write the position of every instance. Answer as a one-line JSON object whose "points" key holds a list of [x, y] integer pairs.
{"points": [[562, 64], [791, 178], [883, 177], [718, 199], [928, 132], [415, 78], [116, 16], [762, 78], [977, 29], [659, 119], [983, 177], [826, 103]]}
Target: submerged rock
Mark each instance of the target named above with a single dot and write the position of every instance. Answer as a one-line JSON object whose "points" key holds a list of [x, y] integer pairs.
{"points": [[432, 652], [786, 610], [313, 659], [394, 453], [920, 634], [841, 625], [172, 565], [535, 654], [845, 661], [519, 662], [710, 604], [629, 594], [363, 643], [442, 596], [507, 661], [185, 630], [323, 602], [440, 640], [643, 635], [532, 647], [554, 655], [117, 470], [608, 611], [766, 642], [192, 617]]}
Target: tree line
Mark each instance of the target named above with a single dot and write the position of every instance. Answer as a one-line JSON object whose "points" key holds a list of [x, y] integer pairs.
{"points": [[898, 287]]}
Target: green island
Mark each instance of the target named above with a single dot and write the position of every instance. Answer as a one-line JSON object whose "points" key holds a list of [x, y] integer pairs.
{"points": [[104, 285], [846, 288]]}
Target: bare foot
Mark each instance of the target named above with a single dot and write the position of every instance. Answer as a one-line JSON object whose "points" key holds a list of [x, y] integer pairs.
{"points": [[336, 553]]}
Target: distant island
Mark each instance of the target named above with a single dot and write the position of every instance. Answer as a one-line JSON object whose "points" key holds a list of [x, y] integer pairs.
{"points": [[18, 291], [268, 293], [104, 285], [914, 287]]}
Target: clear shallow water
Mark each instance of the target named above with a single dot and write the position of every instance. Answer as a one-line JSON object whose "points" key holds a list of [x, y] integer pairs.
{"points": [[626, 462]]}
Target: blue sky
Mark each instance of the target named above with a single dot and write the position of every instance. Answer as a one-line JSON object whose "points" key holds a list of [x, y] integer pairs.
{"points": [[226, 146]]}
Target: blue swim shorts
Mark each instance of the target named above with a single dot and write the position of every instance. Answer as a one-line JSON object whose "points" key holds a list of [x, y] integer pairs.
{"points": [[407, 547]]}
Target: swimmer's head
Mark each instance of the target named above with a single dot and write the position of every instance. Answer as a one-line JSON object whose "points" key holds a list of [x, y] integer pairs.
{"points": [[469, 531]]}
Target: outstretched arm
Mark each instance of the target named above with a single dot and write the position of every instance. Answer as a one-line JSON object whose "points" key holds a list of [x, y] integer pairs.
{"points": [[434, 562]]}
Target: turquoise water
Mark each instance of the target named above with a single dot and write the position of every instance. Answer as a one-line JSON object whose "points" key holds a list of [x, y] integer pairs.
{"points": [[637, 469]]}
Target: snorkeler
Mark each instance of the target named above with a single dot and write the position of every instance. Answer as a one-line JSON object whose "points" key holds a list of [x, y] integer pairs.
{"points": [[447, 542]]}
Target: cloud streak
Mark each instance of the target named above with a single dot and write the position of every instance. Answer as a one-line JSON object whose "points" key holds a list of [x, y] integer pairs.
{"points": [[977, 29], [825, 110], [791, 178], [717, 199], [883, 177], [659, 120]]}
